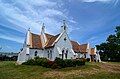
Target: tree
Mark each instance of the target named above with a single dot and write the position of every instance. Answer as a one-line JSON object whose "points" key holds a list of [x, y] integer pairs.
{"points": [[110, 50]]}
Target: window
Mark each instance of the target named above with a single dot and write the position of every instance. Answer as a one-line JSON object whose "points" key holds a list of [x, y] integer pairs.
{"points": [[65, 39], [48, 54], [62, 54], [36, 53], [66, 54]]}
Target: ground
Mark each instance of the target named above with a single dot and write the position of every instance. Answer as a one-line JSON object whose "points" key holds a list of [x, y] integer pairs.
{"points": [[106, 70]]}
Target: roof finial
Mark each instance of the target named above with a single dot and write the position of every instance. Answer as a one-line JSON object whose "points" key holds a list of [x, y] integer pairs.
{"points": [[43, 26], [64, 22], [28, 29]]}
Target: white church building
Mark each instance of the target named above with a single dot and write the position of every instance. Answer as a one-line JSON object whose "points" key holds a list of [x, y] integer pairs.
{"points": [[52, 46]]}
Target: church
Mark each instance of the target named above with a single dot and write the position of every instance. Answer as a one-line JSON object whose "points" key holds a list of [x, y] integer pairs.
{"points": [[52, 46]]}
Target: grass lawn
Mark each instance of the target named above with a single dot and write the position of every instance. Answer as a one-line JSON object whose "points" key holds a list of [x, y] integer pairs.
{"points": [[109, 70]]}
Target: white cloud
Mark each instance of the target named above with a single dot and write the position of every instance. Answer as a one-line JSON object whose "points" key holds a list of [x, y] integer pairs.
{"points": [[32, 13], [11, 37], [96, 0], [41, 3]]}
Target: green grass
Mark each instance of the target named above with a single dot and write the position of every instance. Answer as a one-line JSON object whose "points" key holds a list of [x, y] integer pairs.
{"points": [[109, 70]]}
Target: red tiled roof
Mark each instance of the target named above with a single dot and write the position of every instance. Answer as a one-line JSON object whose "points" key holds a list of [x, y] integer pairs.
{"points": [[51, 40], [92, 51], [48, 36], [75, 46], [83, 48], [36, 41], [79, 48]]}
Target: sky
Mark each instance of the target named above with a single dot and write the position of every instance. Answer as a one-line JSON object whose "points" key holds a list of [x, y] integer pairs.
{"points": [[88, 21]]}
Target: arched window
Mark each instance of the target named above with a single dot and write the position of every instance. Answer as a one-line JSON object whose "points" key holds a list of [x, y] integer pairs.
{"points": [[66, 53], [50, 54], [62, 54], [36, 53]]}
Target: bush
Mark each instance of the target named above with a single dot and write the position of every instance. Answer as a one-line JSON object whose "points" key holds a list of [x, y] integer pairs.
{"points": [[29, 62], [54, 66], [80, 61], [60, 62], [69, 63], [50, 63], [57, 63], [88, 59]]}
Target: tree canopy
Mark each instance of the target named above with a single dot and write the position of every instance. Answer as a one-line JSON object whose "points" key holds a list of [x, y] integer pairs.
{"points": [[110, 50]]}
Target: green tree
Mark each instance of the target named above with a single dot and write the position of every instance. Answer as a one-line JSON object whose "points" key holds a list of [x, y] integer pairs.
{"points": [[110, 50]]}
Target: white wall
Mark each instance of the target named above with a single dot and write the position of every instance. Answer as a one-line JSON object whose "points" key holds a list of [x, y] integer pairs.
{"points": [[62, 44], [22, 56], [88, 51], [80, 55], [32, 53]]}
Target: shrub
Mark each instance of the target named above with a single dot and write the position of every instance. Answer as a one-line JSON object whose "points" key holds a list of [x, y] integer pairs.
{"points": [[69, 63], [49, 63], [57, 63], [88, 59], [54, 66], [29, 62], [80, 61], [60, 62], [43, 62]]}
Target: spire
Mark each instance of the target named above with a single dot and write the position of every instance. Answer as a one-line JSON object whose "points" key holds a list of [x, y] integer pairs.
{"points": [[43, 36], [28, 38], [63, 27], [43, 28], [28, 29]]}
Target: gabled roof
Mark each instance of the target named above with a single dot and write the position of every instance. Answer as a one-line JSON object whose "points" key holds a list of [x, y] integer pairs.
{"points": [[36, 43], [75, 46], [92, 51], [79, 48], [51, 40], [83, 48], [36, 40]]}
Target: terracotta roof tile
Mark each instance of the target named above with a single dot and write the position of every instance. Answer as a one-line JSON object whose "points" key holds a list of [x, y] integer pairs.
{"points": [[51, 40], [75, 46], [48, 36], [83, 48], [92, 51], [36, 41]]}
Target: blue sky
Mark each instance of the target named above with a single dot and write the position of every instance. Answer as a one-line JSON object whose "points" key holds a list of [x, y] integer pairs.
{"points": [[88, 21]]}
